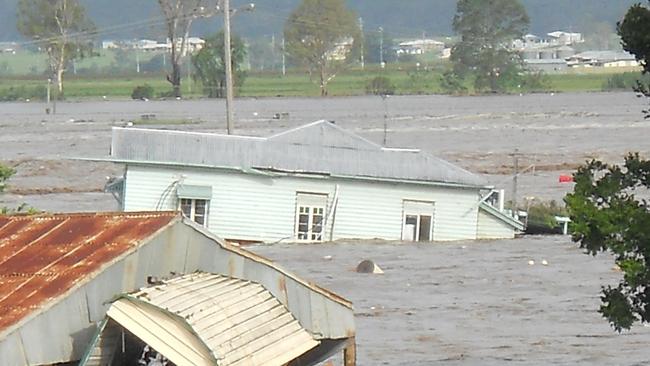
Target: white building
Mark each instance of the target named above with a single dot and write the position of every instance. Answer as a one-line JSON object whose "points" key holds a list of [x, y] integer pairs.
{"points": [[564, 38], [419, 47], [314, 183], [602, 59]]}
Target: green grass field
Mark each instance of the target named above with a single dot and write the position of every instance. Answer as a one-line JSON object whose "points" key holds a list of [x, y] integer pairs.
{"points": [[112, 74]]}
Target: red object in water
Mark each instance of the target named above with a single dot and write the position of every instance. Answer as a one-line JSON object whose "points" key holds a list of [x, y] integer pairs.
{"points": [[566, 179]]}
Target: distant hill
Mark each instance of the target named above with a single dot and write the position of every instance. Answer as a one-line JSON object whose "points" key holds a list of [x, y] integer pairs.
{"points": [[405, 18]]}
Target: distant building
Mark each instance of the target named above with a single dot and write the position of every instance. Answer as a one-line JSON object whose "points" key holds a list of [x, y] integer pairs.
{"points": [[61, 274], [194, 44], [548, 66], [548, 53], [419, 47], [110, 44], [602, 59], [9, 47], [341, 50], [314, 183], [559, 38], [551, 40]]}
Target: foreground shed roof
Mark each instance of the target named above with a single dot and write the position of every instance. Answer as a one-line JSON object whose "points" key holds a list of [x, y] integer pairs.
{"points": [[208, 319], [43, 257], [316, 148]]}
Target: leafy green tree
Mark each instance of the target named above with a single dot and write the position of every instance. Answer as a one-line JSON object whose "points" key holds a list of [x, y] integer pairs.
{"points": [[209, 65], [607, 207], [487, 28], [60, 27], [5, 173], [634, 30], [324, 36], [607, 215]]}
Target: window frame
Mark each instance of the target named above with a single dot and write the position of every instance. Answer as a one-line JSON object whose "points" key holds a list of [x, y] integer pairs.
{"points": [[418, 213], [313, 210], [192, 216]]}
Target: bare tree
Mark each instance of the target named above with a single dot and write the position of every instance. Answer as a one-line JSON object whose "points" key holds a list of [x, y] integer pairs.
{"points": [[179, 15], [61, 27]]}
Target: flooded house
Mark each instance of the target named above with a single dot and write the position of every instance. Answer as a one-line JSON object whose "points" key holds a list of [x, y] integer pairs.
{"points": [[317, 182], [105, 288]]}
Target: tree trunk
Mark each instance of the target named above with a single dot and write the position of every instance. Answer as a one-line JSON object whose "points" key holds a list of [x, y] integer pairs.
{"points": [[323, 82], [60, 68], [493, 81], [59, 82], [176, 78]]}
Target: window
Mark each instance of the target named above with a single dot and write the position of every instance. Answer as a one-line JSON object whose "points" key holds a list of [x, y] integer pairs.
{"points": [[194, 202], [310, 216], [418, 221], [195, 209]]}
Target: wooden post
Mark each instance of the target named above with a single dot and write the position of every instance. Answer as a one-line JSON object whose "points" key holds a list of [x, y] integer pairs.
{"points": [[350, 353]]}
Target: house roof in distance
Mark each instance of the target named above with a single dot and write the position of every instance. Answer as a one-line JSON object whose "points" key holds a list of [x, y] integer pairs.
{"points": [[320, 147], [43, 257]]}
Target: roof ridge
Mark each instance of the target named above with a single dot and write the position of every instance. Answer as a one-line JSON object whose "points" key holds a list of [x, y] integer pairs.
{"points": [[329, 124], [55, 215], [199, 133]]}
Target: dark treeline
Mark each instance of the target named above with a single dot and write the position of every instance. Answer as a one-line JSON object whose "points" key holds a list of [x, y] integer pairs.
{"points": [[405, 18]]}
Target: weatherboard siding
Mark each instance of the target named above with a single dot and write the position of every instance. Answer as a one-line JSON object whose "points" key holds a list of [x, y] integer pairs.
{"points": [[263, 208], [491, 228]]}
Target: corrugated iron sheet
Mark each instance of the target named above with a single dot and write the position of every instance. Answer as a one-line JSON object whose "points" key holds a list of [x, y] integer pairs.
{"points": [[43, 257], [239, 322], [319, 147]]}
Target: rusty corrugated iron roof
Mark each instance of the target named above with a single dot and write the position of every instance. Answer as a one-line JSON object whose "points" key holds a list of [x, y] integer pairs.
{"points": [[43, 257]]}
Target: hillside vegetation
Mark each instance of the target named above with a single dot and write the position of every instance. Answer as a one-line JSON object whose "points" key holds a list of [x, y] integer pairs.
{"points": [[405, 18]]}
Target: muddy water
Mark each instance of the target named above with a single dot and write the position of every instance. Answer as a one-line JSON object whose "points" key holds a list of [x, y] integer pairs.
{"points": [[473, 303], [461, 303]]}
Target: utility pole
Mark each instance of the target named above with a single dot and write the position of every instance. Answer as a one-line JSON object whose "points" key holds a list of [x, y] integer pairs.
{"points": [[188, 61], [384, 97], [515, 178], [274, 62], [363, 61], [47, 103], [381, 47], [137, 61], [227, 59], [284, 61]]}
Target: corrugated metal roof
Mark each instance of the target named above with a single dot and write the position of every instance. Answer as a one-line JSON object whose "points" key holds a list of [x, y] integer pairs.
{"points": [[320, 147], [511, 221], [43, 257], [238, 322]]}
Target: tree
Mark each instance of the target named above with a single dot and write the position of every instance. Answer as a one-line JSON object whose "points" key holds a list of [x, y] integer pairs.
{"points": [[322, 35], [179, 15], [607, 207], [209, 65], [487, 28], [5, 173], [634, 30], [61, 27], [607, 216]]}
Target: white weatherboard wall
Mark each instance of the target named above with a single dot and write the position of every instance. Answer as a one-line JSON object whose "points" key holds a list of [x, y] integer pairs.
{"points": [[491, 228], [263, 208]]}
